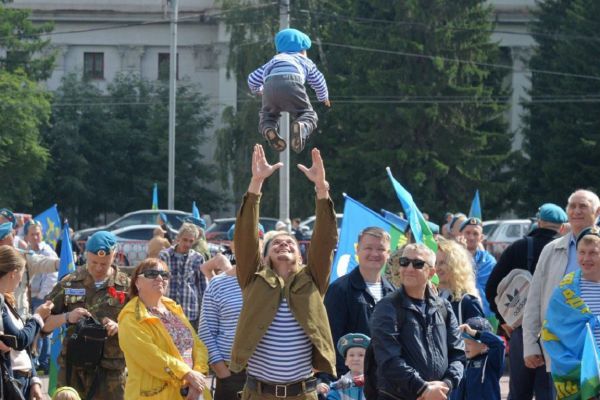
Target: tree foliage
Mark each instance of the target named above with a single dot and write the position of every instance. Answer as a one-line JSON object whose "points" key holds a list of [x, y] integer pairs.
{"points": [[437, 122], [108, 149], [563, 138], [24, 107]]}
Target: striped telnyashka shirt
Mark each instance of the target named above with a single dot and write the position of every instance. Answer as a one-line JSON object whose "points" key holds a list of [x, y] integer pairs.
{"points": [[221, 308], [284, 354], [590, 293]]}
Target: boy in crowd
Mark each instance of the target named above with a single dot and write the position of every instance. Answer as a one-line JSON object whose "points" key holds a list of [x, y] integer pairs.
{"points": [[485, 354]]}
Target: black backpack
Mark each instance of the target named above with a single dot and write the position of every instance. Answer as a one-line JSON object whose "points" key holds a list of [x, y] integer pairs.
{"points": [[370, 372]]}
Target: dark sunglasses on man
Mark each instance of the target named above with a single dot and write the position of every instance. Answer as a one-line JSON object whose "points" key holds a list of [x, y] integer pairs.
{"points": [[417, 264], [154, 273]]}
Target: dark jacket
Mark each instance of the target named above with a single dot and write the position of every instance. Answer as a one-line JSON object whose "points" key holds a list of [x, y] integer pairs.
{"points": [[515, 256], [24, 336], [349, 307], [421, 348], [468, 307], [481, 380]]}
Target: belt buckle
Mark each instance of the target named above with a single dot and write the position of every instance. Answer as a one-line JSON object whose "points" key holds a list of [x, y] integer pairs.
{"points": [[281, 396]]}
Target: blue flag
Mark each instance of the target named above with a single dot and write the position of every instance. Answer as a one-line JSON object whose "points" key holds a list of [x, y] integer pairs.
{"points": [[67, 265], [590, 368], [395, 219], [195, 211], [475, 210], [418, 225], [50, 221], [155, 197], [356, 218]]}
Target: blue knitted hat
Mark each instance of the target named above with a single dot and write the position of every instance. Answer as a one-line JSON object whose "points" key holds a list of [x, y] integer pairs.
{"points": [[291, 41]]}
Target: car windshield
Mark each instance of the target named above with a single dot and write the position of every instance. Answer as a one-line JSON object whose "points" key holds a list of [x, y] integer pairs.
{"points": [[489, 229]]}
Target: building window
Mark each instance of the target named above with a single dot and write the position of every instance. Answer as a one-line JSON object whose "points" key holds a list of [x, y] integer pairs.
{"points": [[163, 66], [93, 65]]}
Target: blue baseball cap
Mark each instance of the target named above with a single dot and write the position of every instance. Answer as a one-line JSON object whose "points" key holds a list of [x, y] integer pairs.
{"points": [[231, 231], [352, 340], [101, 243], [291, 41], [480, 324], [5, 229], [9, 216], [199, 222], [550, 212]]}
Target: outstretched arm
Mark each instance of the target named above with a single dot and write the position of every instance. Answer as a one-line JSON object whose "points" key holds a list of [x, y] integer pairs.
{"points": [[246, 225]]}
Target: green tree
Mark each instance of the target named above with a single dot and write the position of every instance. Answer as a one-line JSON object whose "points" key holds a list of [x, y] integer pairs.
{"points": [[563, 138], [24, 108], [109, 148], [437, 122], [23, 47]]}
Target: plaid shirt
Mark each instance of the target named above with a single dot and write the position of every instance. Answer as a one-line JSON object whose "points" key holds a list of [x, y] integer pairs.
{"points": [[187, 282]]}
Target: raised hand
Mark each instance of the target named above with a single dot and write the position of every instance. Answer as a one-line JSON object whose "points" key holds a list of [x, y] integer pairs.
{"points": [[261, 169], [316, 173]]}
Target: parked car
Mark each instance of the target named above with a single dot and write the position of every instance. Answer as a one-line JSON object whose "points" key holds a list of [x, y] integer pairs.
{"points": [[141, 217], [500, 236], [132, 243], [308, 225], [217, 231]]}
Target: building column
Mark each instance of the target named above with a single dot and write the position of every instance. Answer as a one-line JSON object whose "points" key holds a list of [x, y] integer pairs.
{"points": [[520, 85]]}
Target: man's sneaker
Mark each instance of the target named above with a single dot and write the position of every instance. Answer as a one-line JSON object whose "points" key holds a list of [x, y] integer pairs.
{"points": [[299, 135], [275, 141]]}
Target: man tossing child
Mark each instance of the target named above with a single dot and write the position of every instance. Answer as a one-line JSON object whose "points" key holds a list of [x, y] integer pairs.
{"points": [[485, 354], [281, 84]]}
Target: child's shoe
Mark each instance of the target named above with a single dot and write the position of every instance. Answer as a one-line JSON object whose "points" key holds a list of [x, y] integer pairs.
{"points": [[275, 141], [299, 135]]}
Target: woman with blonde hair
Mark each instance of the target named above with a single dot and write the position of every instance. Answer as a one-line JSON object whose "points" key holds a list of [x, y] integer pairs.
{"points": [[454, 267]]}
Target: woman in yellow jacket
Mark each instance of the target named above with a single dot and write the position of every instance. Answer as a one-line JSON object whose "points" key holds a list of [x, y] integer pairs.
{"points": [[164, 357]]}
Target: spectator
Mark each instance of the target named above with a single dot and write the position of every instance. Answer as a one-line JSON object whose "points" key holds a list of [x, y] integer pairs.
{"points": [[557, 259], [573, 311], [8, 216], [454, 268], [454, 226], [157, 243], [165, 359], [472, 231], [422, 356], [18, 360], [95, 290], [485, 354], [40, 285], [352, 347], [296, 230], [525, 382], [200, 245], [283, 300], [446, 225], [36, 264], [187, 283], [66, 393], [350, 300]]}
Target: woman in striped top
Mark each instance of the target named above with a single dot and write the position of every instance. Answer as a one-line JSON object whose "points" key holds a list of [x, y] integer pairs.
{"points": [[283, 334]]}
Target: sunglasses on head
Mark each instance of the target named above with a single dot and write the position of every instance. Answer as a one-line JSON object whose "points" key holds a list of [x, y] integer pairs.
{"points": [[154, 273], [417, 264]]}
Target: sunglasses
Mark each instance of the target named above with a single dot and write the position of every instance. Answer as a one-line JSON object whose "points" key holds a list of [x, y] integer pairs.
{"points": [[154, 273], [417, 264]]}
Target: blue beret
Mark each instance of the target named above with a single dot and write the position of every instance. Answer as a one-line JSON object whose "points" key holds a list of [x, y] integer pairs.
{"points": [[352, 340], [230, 232], [552, 213], [291, 41], [455, 219], [9, 216], [480, 324], [470, 221], [5, 229], [101, 243], [590, 231], [200, 222], [435, 228], [29, 224]]}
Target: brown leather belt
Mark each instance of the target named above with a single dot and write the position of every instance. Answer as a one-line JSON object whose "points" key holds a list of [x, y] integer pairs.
{"points": [[22, 374], [282, 390]]}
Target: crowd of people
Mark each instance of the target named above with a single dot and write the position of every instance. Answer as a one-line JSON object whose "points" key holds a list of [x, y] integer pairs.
{"points": [[266, 325]]}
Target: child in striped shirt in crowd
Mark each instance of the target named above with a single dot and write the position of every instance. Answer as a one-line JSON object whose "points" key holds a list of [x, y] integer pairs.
{"points": [[281, 84], [352, 347]]}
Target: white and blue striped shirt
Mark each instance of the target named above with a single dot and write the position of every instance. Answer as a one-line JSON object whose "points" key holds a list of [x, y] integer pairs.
{"points": [[221, 308], [284, 354], [590, 293], [290, 63]]}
